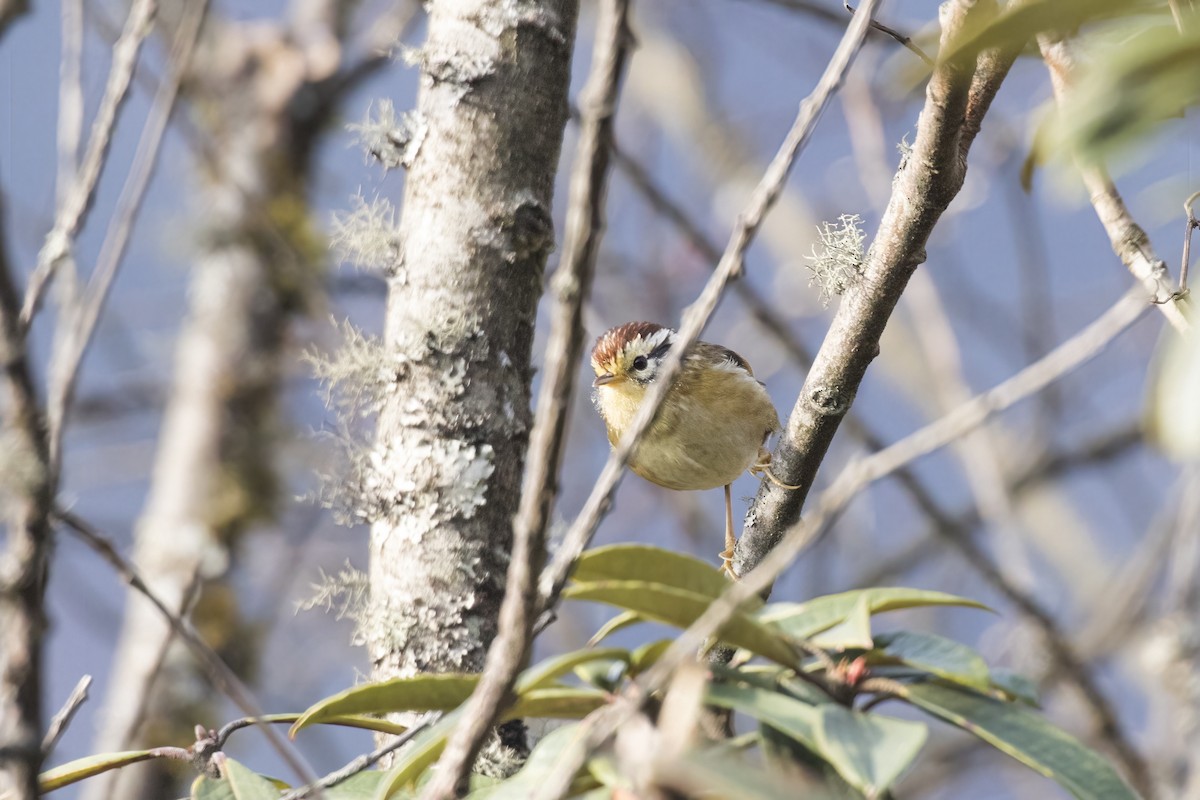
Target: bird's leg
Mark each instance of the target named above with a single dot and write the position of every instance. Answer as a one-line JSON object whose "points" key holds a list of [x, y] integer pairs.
{"points": [[762, 466], [730, 539]]}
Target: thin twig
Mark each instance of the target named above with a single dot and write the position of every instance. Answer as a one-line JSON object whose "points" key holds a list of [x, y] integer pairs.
{"points": [[1191, 224], [218, 672], [70, 98], [696, 316], [70, 216], [1129, 241], [903, 39], [585, 226], [60, 721], [77, 329], [363, 762]]}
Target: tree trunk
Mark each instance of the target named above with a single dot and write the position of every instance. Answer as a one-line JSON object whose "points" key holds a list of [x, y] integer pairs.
{"points": [[476, 231]]}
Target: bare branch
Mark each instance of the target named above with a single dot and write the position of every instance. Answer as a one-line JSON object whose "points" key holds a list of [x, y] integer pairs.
{"points": [[957, 98], [1129, 240], [60, 721], [363, 762], [217, 671], [77, 328], [71, 213]]}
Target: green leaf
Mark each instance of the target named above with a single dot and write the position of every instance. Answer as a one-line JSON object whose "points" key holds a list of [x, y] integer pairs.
{"points": [[418, 693], [869, 751], [622, 620], [681, 608], [80, 768], [854, 632], [1026, 736], [562, 702], [639, 562], [1018, 24], [1171, 421], [648, 655], [550, 670], [1130, 88], [1015, 686], [804, 620], [357, 787], [236, 783], [938, 655], [787, 715], [416, 757], [717, 773]]}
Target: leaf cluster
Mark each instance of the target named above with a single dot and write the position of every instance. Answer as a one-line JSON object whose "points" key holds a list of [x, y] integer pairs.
{"points": [[807, 676]]}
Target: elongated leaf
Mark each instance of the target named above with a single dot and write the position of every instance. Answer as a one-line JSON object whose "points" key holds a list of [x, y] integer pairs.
{"points": [[852, 632], [416, 757], [236, 783], [563, 702], [1015, 686], [681, 608], [1026, 736], [639, 562], [714, 772], [1130, 88], [550, 670], [938, 655], [418, 693], [357, 787], [1021, 22], [1171, 418], [787, 715], [869, 751], [80, 768], [648, 655], [622, 620], [804, 620]]}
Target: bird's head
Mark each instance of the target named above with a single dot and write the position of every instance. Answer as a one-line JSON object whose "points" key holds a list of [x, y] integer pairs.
{"points": [[630, 355]]}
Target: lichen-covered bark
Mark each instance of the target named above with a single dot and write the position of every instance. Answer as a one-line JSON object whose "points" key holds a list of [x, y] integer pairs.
{"points": [[476, 231]]}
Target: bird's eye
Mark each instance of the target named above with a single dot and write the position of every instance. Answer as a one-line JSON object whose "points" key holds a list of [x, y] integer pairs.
{"points": [[640, 363]]}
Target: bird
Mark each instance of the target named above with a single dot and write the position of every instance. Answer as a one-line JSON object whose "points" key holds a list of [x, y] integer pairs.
{"points": [[714, 422]]}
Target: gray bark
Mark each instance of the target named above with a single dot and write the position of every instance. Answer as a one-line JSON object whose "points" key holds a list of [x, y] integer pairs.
{"points": [[476, 231]]}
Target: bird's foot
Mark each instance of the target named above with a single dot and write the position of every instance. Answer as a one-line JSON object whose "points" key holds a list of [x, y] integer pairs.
{"points": [[763, 467], [726, 557]]}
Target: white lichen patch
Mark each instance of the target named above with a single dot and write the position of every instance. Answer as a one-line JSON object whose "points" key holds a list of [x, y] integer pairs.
{"points": [[837, 263], [466, 469], [424, 484], [392, 139], [507, 15], [367, 237]]}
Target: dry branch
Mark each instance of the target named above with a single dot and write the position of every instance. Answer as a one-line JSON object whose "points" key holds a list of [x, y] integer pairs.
{"points": [[957, 98], [1129, 240]]}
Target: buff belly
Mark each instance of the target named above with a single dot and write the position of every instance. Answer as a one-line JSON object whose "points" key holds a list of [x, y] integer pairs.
{"points": [[695, 446]]}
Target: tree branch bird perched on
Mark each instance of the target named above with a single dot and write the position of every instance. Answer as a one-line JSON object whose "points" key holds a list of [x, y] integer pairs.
{"points": [[714, 422]]}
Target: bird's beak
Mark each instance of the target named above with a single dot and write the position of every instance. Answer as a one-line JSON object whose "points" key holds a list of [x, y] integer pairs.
{"points": [[602, 380]]}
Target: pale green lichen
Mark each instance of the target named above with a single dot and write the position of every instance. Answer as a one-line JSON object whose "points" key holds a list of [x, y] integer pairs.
{"points": [[837, 262]]}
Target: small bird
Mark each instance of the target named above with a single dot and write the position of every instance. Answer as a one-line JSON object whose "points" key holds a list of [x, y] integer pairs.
{"points": [[713, 425]]}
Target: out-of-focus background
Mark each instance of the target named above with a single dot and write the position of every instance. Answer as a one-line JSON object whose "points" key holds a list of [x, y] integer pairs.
{"points": [[1071, 506]]}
